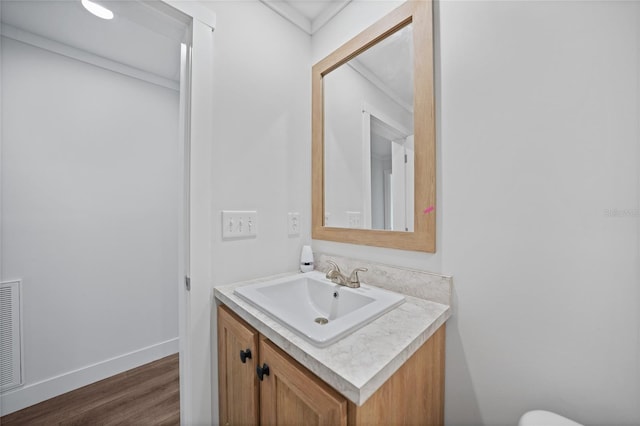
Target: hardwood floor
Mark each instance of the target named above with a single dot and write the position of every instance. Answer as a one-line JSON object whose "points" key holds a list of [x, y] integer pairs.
{"points": [[147, 395]]}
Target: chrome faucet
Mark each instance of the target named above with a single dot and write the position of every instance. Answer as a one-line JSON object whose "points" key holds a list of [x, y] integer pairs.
{"points": [[339, 278], [335, 275]]}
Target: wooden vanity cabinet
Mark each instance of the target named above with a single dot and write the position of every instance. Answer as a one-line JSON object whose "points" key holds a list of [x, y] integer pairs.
{"points": [[289, 394], [237, 362]]}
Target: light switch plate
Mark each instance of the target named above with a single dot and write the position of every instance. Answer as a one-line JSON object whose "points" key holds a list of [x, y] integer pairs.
{"points": [[239, 224]]}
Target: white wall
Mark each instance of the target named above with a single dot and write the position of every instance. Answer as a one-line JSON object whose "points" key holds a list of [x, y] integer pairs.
{"points": [[538, 135], [89, 218], [539, 128], [261, 145]]}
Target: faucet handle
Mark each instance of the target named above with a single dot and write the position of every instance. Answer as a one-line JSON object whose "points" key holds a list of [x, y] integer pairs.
{"points": [[353, 278], [333, 269], [333, 264]]}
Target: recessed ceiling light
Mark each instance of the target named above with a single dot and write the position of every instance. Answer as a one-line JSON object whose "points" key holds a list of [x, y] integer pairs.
{"points": [[96, 9]]}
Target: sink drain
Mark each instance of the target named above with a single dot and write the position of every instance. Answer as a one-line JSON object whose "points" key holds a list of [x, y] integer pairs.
{"points": [[321, 320]]}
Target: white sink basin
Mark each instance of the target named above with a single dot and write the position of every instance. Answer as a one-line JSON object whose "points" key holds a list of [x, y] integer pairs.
{"points": [[317, 309]]}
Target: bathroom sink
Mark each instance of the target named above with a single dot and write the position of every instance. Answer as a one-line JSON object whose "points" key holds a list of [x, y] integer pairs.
{"points": [[320, 311]]}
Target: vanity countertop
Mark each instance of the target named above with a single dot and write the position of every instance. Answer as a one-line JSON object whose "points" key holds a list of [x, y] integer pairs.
{"points": [[357, 365]]}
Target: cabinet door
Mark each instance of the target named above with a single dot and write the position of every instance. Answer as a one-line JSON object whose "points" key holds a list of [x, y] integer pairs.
{"points": [[291, 395], [237, 380]]}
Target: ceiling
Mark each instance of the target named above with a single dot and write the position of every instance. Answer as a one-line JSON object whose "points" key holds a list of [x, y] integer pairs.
{"points": [[140, 36], [308, 15], [148, 39]]}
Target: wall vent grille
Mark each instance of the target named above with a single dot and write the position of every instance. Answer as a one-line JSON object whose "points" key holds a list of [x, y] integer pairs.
{"points": [[10, 336]]}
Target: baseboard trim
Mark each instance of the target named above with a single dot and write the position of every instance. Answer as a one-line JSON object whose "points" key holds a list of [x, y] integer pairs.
{"points": [[30, 394]]}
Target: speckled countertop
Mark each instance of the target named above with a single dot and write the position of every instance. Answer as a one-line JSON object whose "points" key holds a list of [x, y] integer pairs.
{"points": [[357, 365]]}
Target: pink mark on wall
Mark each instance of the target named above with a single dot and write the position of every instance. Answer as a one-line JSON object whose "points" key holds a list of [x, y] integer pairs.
{"points": [[429, 209]]}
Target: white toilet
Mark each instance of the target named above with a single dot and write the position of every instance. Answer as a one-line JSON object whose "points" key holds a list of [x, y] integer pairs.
{"points": [[545, 418]]}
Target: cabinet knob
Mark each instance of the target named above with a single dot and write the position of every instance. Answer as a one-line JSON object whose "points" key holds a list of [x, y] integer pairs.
{"points": [[262, 371], [244, 355]]}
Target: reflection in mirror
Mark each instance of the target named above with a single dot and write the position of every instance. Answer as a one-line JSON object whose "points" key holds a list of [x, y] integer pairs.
{"points": [[368, 138], [391, 183]]}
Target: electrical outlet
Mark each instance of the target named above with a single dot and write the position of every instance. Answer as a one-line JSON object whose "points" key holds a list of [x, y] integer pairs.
{"points": [[355, 219], [239, 224], [293, 223]]}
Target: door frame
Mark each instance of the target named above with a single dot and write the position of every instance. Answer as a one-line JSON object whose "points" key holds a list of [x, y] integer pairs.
{"points": [[369, 110], [194, 267]]}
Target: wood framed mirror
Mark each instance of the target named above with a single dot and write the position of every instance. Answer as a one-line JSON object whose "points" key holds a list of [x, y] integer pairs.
{"points": [[373, 135]]}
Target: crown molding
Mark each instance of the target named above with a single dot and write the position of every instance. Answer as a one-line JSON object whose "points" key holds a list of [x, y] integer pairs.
{"points": [[291, 14], [331, 10]]}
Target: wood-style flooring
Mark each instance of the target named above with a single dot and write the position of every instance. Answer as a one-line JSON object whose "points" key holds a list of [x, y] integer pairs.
{"points": [[147, 395]]}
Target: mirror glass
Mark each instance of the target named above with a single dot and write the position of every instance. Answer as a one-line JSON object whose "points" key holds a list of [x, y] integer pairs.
{"points": [[368, 137]]}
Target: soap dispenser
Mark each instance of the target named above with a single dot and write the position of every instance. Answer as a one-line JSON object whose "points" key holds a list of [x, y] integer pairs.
{"points": [[306, 259]]}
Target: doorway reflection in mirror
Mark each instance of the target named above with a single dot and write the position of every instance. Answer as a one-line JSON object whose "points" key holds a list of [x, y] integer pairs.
{"points": [[368, 137], [392, 170]]}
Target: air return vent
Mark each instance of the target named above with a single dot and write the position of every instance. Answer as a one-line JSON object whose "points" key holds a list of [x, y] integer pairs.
{"points": [[10, 344]]}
